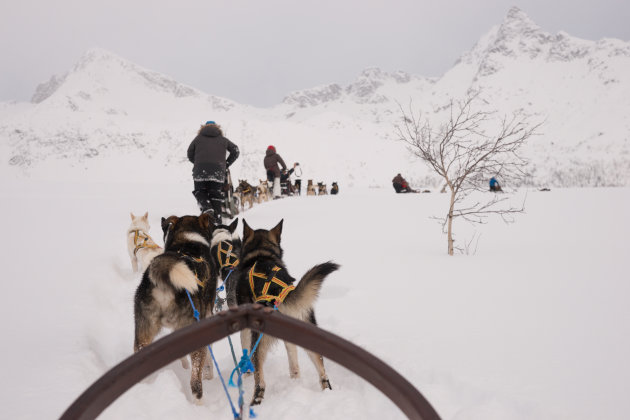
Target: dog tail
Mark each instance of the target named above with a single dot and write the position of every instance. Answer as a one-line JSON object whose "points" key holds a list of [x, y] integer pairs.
{"points": [[178, 275], [307, 290]]}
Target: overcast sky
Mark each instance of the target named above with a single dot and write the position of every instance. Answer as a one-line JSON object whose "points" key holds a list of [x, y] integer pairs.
{"points": [[257, 51]]}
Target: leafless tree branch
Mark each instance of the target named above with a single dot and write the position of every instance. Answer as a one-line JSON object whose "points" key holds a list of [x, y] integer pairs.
{"points": [[466, 153]]}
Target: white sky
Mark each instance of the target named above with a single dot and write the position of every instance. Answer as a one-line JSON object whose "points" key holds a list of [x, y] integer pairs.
{"points": [[257, 51]]}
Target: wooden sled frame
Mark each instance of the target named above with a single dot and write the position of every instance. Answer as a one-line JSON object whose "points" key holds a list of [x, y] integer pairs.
{"points": [[180, 343]]}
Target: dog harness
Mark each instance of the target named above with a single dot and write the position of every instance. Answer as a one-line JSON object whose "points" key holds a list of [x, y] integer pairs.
{"points": [[225, 256], [147, 242], [245, 190], [197, 260], [268, 287]]}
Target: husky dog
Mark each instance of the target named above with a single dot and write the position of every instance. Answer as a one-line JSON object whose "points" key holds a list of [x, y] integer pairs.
{"points": [[310, 188], [140, 245], [334, 189], [161, 299], [263, 278], [225, 249], [321, 189], [263, 191], [246, 193]]}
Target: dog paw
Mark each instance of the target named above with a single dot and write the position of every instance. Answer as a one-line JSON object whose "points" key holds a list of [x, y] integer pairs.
{"points": [[325, 383], [197, 389], [259, 393], [294, 374]]}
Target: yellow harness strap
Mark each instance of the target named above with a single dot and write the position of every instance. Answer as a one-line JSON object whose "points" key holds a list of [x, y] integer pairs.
{"points": [[200, 283], [265, 296], [229, 260], [147, 242]]}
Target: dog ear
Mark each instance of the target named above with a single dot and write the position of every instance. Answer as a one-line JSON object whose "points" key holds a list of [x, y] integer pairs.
{"points": [[166, 223], [146, 216], [233, 225], [247, 231], [132, 216], [275, 233], [206, 222]]}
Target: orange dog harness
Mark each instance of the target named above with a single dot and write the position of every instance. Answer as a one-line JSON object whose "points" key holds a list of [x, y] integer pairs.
{"points": [[266, 289]]}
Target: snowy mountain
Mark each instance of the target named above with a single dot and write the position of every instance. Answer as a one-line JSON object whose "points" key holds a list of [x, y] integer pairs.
{"points": [[108, 113]]}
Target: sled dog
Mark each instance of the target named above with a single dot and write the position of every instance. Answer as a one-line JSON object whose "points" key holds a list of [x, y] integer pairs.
{"points": [[321, 189], [310, 188], [225, 249], [246, 193], [263, 278], [141, 247], [161, 299], [263, 191]]}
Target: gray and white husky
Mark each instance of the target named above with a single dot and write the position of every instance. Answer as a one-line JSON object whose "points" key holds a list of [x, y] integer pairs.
{"points": [[161, 299], [261, 260]]}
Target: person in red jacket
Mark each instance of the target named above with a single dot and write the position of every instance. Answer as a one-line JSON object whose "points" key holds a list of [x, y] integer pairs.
{"points": [[276, 169]]}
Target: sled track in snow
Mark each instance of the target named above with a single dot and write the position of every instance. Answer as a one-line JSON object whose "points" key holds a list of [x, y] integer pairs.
{"points": [[265, 320]]}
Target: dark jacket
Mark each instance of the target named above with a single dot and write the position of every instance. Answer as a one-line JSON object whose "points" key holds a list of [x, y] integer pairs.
{"points": [[207, 153], [271, 161], [398, 179]]}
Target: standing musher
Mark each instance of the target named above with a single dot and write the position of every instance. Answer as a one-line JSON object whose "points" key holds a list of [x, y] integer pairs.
{"points": [[207, 152], [271, 162]]}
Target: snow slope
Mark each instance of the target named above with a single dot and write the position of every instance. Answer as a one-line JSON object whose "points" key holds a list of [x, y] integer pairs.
{"points": [[107, 107], [534, 326]]}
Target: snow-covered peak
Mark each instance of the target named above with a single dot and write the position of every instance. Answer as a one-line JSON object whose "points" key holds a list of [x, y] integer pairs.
{"points": [[519, 38], [105, 67], [96, 55], [45, 89], [103, 82], [518, 24], [364, 90], [314, 96]]}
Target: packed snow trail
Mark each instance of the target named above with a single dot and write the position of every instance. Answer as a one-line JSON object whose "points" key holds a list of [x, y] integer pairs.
{"points": [[534, 326]]}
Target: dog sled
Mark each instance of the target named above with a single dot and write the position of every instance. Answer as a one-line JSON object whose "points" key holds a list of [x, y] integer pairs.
{"points": [[132, 370], [230, 200], [287, 187]]}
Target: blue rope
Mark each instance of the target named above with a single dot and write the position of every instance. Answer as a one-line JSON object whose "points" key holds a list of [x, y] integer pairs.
{"points": [[220, 289], [196, 314], [243, 367], [219, 305]]}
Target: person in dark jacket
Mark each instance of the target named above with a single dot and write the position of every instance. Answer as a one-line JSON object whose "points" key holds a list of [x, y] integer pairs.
{"points": [[207, 152], [399, 183], [272, 163]]}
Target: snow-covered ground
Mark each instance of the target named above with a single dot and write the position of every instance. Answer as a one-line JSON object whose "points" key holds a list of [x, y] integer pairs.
{"points": [[533, 326]]}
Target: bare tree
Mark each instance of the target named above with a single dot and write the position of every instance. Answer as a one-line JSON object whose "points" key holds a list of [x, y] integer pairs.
{"points": [[465, 153]]}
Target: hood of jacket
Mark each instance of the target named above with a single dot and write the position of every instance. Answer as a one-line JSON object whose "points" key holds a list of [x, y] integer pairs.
{"points": [[270, 152], [210, 130]]}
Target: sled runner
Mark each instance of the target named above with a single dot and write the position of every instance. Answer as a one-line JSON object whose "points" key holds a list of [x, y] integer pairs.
{"points": [[230, 201]]}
